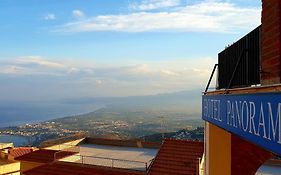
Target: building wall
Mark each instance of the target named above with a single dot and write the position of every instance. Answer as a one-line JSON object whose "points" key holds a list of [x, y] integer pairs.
{"points": [[14, 173], [74, 158], [225, 153], [218, 150], [24, 166], [66, 145], [271, 42], [6, 145], [10, 167], [246, 158]]}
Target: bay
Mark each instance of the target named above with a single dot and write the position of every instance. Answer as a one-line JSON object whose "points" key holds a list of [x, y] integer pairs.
{"points": [[14, 114], [16, 140]]}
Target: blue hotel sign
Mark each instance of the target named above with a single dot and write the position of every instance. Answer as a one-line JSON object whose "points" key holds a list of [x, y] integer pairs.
{"points": [[254, 117]]}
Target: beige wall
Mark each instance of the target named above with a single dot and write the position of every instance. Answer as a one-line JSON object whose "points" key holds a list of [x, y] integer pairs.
{"points": [[218, 151], [17, 173], [9, 167], [24, 166], [73, 158], [65, 145], [6, 145]]}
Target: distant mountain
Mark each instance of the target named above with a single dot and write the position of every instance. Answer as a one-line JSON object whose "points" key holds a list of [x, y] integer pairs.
{"points": [[186, 102], [125, 117], [137, 116]]}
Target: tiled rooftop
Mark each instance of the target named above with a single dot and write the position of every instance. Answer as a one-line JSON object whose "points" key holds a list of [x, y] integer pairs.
{"points": [[44, 156], [177, 157], [78, 169], [17, 152]]}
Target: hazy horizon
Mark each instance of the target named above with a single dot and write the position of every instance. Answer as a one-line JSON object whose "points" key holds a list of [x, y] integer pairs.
{"points": [[17, 113]]}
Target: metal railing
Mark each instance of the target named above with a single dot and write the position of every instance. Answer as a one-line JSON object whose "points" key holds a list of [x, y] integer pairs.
{"points": [[66, 152], [211, 77], [75, 157], [109, 162]]}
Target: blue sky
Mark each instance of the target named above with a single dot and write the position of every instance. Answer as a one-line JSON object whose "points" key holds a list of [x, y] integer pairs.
{"points": [[73, 48]]}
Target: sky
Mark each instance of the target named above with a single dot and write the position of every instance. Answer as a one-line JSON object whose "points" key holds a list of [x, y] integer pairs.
{"points": [[56, 49]]}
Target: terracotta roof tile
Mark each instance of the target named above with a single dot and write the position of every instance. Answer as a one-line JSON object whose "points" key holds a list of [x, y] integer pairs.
{"points": [[44, 156], [60, 168], [17, 152], [177, 157]]}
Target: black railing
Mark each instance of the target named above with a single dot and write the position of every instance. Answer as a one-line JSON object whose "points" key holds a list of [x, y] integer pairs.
{"points": [[211, 77], [75, 157], [239, 64], [107, 162]]}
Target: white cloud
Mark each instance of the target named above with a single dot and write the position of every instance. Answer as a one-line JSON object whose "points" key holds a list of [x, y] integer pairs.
{"points": [[50, 16], [108, 80], [153, 4], [73, 70], [207, 16], [39, 61], [78, 13], [169, 72], [99, 82], [33, 65], [13, 69]]}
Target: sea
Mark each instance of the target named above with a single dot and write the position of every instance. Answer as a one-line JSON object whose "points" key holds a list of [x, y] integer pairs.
{"points": [[16, 140], [14, 114]]}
